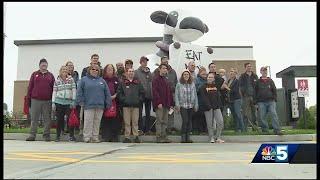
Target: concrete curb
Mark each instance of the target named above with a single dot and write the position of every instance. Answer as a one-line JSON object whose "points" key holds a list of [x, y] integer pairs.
{"points": [[195, 138]]}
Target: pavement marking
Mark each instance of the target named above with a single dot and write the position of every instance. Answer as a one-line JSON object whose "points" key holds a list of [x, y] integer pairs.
{"points": [[35, 155], [39, 153], [193, 153], [173, 161], [140, 158], [36, 159]]}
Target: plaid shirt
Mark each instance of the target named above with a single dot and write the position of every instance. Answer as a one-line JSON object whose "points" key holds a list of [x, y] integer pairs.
{"points": [[186, 96]]}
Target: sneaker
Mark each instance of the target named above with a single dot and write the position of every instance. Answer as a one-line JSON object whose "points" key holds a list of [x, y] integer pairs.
{"points": [[147, 133], [166, 140], [115, 139], [140, 132], [158, 140], [86, 140], [126, 140], [95, 141], [72, 139], [137, 140], [183, 139], [47, 139], [279, 133], [220, 141], [31, 138], [173, 130], [57, 139], [212, 140]]}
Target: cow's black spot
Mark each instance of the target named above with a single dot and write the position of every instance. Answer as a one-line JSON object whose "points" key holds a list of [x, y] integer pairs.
{"points": [[172, 18]]}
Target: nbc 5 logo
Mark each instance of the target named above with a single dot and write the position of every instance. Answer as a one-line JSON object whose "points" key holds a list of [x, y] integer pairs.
{"points": [[282, 153], [279, 153]]}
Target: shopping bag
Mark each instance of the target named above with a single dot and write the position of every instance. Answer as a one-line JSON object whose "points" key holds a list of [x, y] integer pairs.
{"points": [[26, 106], [112, 111], [73, 119]]}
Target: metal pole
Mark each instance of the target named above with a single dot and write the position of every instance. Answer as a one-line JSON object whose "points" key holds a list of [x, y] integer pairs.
{"points": [[304, 113], [269, 71]]}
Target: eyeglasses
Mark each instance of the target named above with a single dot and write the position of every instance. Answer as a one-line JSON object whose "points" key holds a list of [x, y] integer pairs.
{"points": [[95, 69]]}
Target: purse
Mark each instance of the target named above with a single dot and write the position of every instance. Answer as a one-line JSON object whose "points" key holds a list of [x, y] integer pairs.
{"points": [[73, 119], [112, 111], [26, 106]]}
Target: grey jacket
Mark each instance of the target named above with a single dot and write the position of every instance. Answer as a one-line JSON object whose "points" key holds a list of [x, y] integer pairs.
{"points": [[145, 78]]}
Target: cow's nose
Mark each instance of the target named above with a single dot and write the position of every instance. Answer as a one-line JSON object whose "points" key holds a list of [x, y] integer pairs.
{"points": [[193, 23]]}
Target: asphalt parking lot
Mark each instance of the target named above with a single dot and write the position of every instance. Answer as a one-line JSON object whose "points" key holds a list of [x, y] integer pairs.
{"points": [[43, 160]]}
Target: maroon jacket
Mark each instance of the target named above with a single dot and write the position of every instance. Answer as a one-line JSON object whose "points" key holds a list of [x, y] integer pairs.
{"points": [[41, 86], [161, 93], [113, 84]]}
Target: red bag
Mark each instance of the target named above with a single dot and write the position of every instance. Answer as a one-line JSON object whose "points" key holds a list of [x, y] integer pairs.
{"points": [[73, 119], [112, 111], [26, 106]]}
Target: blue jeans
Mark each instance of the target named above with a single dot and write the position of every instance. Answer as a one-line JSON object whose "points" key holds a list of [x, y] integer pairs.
{"points": [[264, 108], [235, 108]]}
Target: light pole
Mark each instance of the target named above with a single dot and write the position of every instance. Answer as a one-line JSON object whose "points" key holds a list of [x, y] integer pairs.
{"points": [[269, 71]]}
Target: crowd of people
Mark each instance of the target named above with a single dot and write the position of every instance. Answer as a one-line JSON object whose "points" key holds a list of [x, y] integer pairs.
{"points": [[110, 100]]}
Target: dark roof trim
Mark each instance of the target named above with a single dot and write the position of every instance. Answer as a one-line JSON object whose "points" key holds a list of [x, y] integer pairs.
{"points": [[86, 40], [102, 40], [231, 46], [299, 71]]}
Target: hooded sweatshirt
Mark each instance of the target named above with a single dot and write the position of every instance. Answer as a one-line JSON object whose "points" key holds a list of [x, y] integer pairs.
{"points": [[94, 93]]}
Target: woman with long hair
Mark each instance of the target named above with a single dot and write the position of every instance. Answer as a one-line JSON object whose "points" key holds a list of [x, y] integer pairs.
{"points": [[110, 126], [187, 103], [211, 105], [63, 99]]}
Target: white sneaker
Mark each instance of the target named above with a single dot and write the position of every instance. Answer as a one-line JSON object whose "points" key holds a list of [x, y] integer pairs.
{"points": [[212, 140], [220, 141]]}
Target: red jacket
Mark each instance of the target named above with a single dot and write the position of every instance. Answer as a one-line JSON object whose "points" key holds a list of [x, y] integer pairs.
{"points": [[161, 93], [40, 86]]}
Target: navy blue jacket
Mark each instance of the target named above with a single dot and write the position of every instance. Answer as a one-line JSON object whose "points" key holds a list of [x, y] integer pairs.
{"points": [[234, 92]]}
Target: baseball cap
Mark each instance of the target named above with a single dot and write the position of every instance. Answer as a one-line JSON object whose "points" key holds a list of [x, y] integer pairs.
{"points": [[263, 68], [144, 58]]}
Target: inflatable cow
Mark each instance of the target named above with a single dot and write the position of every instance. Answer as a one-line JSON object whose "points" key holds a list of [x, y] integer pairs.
{"points": [[180, 29]]}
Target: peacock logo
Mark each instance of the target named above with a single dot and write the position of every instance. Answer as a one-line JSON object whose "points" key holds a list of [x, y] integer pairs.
{"points": [[268, 151]]}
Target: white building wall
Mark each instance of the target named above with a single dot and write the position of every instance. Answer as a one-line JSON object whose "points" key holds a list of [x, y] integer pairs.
{"points": [[58, 54]]}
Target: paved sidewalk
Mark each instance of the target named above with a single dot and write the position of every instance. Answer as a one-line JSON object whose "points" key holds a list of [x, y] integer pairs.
{"points": [[195, 138]]}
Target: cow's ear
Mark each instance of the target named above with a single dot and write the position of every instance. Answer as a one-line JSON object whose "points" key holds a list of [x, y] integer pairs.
{"points": [[159, 17]]}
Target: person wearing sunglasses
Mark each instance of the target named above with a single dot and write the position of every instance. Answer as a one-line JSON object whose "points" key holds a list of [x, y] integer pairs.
{"points": [[94, 96]]}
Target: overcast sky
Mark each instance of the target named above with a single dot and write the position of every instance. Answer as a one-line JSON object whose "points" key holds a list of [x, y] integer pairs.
{"points": [[282, 34]]}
